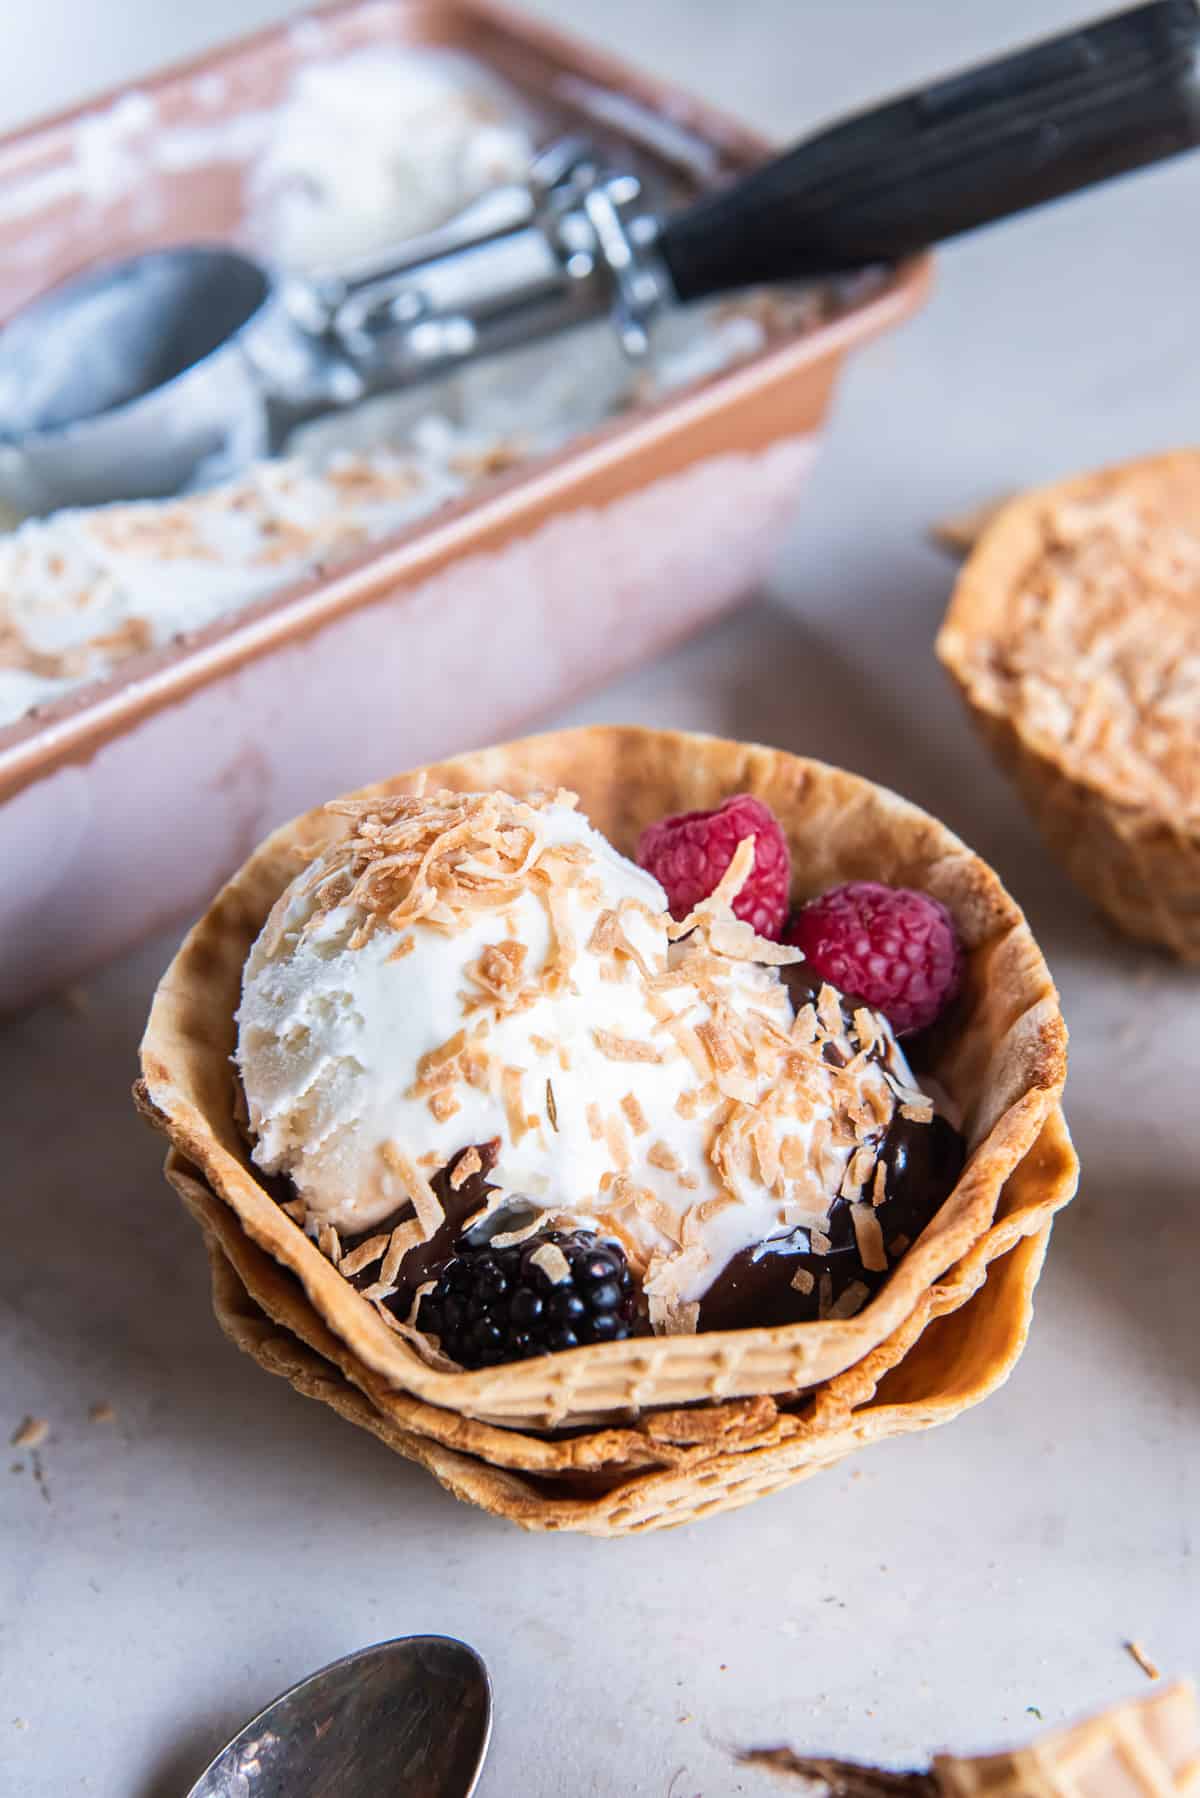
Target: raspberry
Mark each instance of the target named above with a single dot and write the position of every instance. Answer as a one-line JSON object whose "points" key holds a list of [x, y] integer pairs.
{"points": [[688, 854], [492, 1305], [896, 949]]}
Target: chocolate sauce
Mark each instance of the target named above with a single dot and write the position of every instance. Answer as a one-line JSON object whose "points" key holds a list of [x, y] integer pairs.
{"points": [[923, 1162], [426, 1261]]}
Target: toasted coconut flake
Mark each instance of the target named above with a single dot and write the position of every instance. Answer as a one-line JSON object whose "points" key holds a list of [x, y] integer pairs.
{"points": [[297, 1210], [660, 1155], [542, 1044], [404, 947], [656, 1211], [720, 900], [443, 1105], [618, 1143], [476, 1066], [603, 939], [766, 1149], [866, 1028], [514, 1102], [719, 1045], [793, 1157], [879, 1184], [624, 944], [803, 1281], [863, 1163], [499, 973], [849, 1302], [829, 1010], [556, 975], [624, 1048], [329, 1243], [821, 1244], [378, 1292], [635, 1117], [404, 1237], [739, 941], [433, 1064], [441, 857], [595, 1121], [672, 1317], [688, 1103], [870, 1239], [917, 1114], [507, 1239], [31, 1432], [362, 1257], [551, 1105], [469, 1162], [552, 1262], [622, 1192], [824, 1293], [425, 1201]]}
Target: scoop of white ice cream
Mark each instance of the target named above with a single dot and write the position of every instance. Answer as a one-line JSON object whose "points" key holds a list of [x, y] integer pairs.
{"points": [[470, 968], [382, 145]]}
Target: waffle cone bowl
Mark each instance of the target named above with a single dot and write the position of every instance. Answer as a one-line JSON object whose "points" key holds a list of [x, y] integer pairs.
{"points": [[1002, 1057], [1110, 815]]}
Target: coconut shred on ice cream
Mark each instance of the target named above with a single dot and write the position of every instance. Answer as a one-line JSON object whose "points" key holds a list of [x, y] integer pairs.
{"points": [[471, 984]]}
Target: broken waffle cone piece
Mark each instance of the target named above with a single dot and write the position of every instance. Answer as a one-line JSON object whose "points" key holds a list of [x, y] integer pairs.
{"points": [[1148, 1748], [1074, 636], [1002, 1058]]}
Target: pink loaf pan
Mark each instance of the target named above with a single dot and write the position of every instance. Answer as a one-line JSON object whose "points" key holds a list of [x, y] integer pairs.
{"points": [[126, 802]]}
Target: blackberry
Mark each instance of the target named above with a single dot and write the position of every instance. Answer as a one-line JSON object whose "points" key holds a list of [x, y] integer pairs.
{"points": [[492, 1305]]}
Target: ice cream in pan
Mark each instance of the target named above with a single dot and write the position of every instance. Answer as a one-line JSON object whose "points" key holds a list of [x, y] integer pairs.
{"points": [[341, 175], [526, 1094]]}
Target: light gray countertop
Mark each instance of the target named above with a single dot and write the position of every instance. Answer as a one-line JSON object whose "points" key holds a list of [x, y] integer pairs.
{"points": [[166, 1571]]}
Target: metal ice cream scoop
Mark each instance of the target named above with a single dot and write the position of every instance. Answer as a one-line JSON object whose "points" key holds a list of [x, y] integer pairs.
{"points": [[181, 365], [411, 1716]]}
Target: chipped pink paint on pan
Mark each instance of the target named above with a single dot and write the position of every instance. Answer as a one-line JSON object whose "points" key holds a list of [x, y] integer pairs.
{"points": [[123, 805]]}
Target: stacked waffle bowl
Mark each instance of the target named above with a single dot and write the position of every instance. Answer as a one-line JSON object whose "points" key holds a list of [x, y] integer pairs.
{"points": [[649, 1432], [1074, 637]]}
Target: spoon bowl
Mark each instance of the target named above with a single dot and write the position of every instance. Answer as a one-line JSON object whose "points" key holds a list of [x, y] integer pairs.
{"points": [[410, 1717]]}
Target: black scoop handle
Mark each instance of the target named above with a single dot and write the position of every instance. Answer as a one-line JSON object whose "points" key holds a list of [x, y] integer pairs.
{"points": [[941, 160]]}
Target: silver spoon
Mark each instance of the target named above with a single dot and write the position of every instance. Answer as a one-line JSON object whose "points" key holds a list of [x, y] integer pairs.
{"points": [[411, 1717]]}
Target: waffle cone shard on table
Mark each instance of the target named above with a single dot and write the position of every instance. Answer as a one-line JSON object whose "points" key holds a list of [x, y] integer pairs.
{"points": [[1004, 1061], [665, 1467], [1147, 1748], [1135, 852]]}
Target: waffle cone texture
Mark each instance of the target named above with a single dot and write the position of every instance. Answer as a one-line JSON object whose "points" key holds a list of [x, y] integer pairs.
{"points": [[1149, 1748], [665, 1466], [1138, 862], [1146, 1748], [1002, 1056]]}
